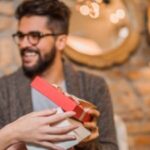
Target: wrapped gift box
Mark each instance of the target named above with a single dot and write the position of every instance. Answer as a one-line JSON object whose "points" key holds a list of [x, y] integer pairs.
{"points": [[60, 98], [80, 133]]}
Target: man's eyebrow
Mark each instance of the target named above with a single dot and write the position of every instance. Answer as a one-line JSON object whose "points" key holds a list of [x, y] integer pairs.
{"points": [[34, 31], [18, 31], [29, 31]]}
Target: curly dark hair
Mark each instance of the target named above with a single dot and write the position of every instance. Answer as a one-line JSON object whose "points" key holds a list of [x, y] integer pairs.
{"points": [[57, 12]]}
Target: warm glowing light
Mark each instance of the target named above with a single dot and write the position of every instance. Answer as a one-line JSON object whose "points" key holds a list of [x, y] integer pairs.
{"points": [[120, 13], [84, 10], [99, 1], [84, 45], [94, 10], [80, 1], [95, 6], [124, 32], [114, 19], [94, 15], [89, 7], [117, 16]]}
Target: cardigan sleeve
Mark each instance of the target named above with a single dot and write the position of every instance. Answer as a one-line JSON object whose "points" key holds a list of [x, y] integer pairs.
{"points": [[96, 91], [4, 109]]}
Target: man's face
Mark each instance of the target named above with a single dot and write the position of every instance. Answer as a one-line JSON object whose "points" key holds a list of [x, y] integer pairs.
{"points": [[36, 58]]}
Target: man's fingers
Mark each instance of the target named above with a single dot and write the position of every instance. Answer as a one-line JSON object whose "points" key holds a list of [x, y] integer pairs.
{"points": [[61, 130], [90, 125], [59, 117], [94, 112], [59, 138], [45, 113], [94, 131], [92, 137], [18, 146]]}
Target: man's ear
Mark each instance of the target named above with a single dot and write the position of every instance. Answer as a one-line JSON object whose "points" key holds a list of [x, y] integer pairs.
{"points": [[61, 42]]}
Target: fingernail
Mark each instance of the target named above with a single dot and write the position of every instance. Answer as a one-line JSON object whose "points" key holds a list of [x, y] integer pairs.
{"points": [[69, 114], [53, 109], [72, 113], [73, 137], [60, 148], [76, 126]]}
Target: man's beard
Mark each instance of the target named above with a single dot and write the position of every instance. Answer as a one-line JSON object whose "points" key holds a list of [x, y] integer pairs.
{"points": [[41, 65]]}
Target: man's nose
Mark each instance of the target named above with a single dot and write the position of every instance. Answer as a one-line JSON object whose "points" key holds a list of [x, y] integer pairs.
{"points": [[24, 42]]}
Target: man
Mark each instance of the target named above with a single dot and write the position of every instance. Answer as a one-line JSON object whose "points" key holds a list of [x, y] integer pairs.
{"points": [[41, 37]]}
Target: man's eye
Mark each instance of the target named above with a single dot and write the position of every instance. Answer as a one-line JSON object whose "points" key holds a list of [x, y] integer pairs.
{"points": [[35, 35], [20, 36]]}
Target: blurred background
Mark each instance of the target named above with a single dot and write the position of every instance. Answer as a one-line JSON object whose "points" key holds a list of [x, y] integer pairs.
{"points": [[109, 38]]}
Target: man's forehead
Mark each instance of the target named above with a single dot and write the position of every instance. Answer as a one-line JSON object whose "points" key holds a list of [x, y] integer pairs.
{"points": [[30, 23]]}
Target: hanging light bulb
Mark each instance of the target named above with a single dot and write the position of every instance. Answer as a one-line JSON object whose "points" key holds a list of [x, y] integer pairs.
{"points": [[94, 10], [89, 7], [120, 13], [99, 1], [113, 18], [95, 6], [84, 10], [124, 32], [94, 15]]}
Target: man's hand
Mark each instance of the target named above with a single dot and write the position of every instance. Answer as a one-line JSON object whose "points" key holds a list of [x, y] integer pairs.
{"points": [[37, 128], [92, 126], [18, 146]]}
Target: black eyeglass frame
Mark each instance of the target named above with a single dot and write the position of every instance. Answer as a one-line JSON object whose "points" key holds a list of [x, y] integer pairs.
{"points": [[39, 35]]}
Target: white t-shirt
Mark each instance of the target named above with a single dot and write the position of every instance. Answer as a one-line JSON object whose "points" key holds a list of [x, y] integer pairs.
{"points": [[41, 102]]}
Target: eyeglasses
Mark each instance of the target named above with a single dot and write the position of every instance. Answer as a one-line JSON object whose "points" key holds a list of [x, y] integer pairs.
{"points": [[33, 37]]}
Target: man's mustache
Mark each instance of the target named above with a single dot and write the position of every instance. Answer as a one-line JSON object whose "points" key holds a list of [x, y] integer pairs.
{"points": [[29, 50]]}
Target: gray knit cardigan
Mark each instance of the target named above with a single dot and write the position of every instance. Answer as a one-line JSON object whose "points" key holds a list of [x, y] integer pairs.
{"points": [[15, 101]]}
